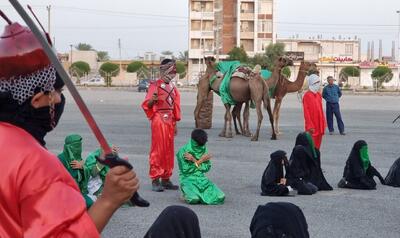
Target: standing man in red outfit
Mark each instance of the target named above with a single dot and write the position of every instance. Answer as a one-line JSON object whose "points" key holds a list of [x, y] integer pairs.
{"points": [[38, 197], [162, 108], [314, 119]]}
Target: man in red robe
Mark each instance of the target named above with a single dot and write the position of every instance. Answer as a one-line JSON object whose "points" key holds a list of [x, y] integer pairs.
{"points": [[38, 198], [314, 119], [162, 108]]}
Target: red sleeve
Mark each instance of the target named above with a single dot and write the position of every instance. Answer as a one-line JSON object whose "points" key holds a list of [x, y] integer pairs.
{"points": [[177, 105], [149, 111], [307, 103], [51, 204]]}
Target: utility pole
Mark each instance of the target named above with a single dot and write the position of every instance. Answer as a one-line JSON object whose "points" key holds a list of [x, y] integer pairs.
{"points": [[120, 59], [48, 18], [70, 55]]}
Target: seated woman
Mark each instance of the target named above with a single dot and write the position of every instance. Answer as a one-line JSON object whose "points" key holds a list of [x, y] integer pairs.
{"points": [[71, 158], [393, 176], [279, 219], [194, 162], [305, 173], [273, 182], [358, 172]]}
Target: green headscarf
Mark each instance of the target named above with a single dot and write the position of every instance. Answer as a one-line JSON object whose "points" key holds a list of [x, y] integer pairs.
{"points": [[195, 149], [72, 149], [364, 157], [311, 144]]}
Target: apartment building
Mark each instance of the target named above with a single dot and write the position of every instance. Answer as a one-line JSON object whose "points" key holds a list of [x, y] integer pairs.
{"points": [[216, 26]]}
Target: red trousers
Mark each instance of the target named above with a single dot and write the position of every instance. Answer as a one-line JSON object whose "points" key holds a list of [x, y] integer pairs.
{"points": [[162, 146]]}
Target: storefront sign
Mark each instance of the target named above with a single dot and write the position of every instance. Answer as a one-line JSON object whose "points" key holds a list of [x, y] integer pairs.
{"points": [[294, 55], [339, 59]]}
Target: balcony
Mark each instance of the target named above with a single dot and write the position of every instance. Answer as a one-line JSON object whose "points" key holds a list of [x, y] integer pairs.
{"points": [[200, 53], [246, 35], [201, 15], [202, 34], [247, 16]]}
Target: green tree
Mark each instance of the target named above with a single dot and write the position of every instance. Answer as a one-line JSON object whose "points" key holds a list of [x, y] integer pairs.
{"points": [[259, 59], [349, 71], [80, 68], [382, 74], [238, 53], [135, 66], [108, 70], [272, 52], [181, 69], [83, 47], [286, 72], [183, 56], [102, 56]]}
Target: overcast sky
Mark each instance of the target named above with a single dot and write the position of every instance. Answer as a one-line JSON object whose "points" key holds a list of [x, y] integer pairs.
{"points": [[158, 25]]}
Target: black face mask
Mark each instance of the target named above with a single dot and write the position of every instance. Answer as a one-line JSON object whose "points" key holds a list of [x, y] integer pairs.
{"points": [[38, 121]]}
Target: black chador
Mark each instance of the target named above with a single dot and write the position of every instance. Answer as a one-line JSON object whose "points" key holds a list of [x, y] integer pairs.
{"points": [[358, 172], [273, 182], [393, 176], [305, 173]]}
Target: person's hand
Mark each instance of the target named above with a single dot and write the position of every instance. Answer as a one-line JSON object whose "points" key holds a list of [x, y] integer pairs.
{"points": [[115, 149], [283, 181], [176, 130], [75, 164], [205, 158], [311, 130], [189, 157], [119, 186]]}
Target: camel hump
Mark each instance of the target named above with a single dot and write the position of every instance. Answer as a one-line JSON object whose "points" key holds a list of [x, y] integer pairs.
{"points": [[257, 69]]}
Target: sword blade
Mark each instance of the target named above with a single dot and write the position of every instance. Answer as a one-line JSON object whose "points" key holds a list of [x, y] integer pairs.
{"points": [[61, 71]]}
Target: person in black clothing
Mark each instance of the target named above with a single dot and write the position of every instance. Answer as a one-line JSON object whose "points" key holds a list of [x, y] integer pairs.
{"points": [[305, 173], [358, 172], [175, 222], [279, 220], [393, 176], [273, 182]]}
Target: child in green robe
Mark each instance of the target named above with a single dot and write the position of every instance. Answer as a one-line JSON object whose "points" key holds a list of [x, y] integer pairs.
{"points": [[71, 158], [194, 162]]}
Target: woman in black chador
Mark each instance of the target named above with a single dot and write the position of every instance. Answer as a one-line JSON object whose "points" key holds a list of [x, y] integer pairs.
{"points": [[273, 182], [393, 177], [279, 220], [305, 173], [358, 172]]}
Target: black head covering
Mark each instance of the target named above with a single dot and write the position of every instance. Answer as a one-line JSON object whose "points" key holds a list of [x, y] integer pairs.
{"points": [[393, 176], [200, 136], [175, 222], [272, 175], [279, 219], [353, 166]]}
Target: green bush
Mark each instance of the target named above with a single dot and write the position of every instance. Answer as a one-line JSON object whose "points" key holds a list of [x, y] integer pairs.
{"points": [[80, 67], [135, 66], [286, 72], [181, 69], [108, 70], [238, 53], [351, 71], [382, 74]]}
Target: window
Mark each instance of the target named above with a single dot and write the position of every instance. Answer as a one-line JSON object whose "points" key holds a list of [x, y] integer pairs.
{"points": [[265, 7], [247, 7], [202, 6], [263, 44], [248, 45], [265, 26], [195, 25], [195, 44], [348, 49], [246, 26]]}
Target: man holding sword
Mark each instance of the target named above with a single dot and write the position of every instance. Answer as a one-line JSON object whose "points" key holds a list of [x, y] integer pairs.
{"points": [[162, 108]]}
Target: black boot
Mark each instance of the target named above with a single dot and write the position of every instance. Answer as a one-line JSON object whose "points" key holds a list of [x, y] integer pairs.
{"points": [[137, 200], [167, 184], [156, 186]]}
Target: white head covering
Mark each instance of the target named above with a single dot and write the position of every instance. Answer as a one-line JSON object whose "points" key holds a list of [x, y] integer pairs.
{"points": [[314, 83]]}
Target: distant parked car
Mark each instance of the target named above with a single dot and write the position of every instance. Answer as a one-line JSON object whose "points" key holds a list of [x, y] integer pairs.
{"points": [[143, 85], [96, 80]]}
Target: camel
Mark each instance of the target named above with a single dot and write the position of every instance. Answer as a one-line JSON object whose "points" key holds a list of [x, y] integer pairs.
{"points": [[242, 91], [283, 86]]}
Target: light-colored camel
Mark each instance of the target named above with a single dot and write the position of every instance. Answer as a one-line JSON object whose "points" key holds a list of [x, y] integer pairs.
{"points": [[283, 86], [242, 91]]}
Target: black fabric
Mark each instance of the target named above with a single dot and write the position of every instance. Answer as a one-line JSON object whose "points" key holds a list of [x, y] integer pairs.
{"points": [[393, 176], [36, 121], [278, 220], [354, 175], [175, 222], [200, 136], [305, 170], [273, 174]]}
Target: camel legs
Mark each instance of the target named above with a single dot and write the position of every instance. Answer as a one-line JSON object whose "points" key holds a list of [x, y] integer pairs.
{"points": [[267, 101], [276, 113], [236, 115], [259, 120], [201, 100], [246, 116], [227, 130]]}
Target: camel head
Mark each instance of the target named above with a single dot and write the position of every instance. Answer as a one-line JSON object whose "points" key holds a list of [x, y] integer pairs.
{"points": [[282, 62]]}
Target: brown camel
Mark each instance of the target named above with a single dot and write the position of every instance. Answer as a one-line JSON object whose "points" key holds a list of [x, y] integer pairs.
{"points": [[242, 91], [284, 86]]}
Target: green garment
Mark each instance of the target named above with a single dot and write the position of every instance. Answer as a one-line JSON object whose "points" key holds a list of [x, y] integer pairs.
{"points": [[73, 151], [95, 168], [364, 157], [227, 68], [311, 143], [195, 186]]}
